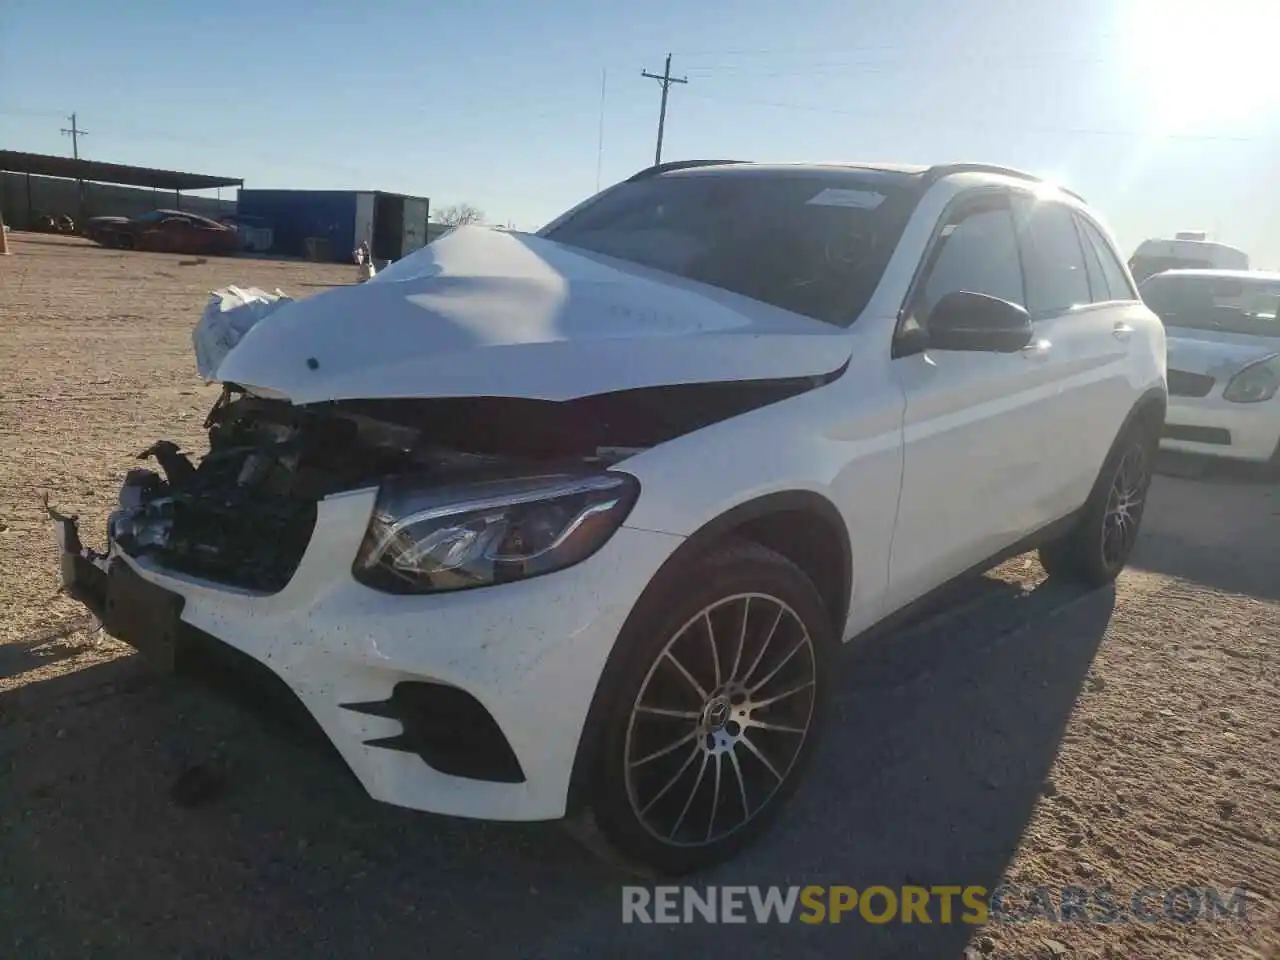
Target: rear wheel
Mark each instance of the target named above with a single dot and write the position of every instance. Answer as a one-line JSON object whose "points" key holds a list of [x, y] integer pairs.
{"points": [[124, 241], [1098, 547], [711, 713]]}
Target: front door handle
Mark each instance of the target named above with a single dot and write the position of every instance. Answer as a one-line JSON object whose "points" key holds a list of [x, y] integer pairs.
{"points": [[1122, 331]]}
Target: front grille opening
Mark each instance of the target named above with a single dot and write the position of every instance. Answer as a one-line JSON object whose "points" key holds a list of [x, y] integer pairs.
{"points": [[1184, 384], [257, 544], [449, 729], [1214, 435]]}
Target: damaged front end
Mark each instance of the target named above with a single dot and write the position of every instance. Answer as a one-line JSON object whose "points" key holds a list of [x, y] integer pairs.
{"points": [[244, 514]]}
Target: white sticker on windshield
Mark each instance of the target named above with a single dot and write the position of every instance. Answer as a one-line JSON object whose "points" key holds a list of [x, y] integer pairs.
{"points": [[862, 199]]}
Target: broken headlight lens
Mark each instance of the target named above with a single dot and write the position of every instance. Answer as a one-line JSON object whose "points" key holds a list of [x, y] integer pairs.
{"points": [[427, 540], [1255, 383]]}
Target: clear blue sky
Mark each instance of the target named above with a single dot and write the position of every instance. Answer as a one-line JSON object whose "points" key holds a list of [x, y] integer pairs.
{"points": [[1166, 115]]}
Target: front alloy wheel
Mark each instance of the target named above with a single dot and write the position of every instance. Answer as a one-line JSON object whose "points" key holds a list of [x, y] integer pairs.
{"points": [[708, 709], [720, 719]]}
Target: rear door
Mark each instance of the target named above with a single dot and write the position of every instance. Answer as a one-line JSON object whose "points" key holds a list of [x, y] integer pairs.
{"points": [[1071, 273]]}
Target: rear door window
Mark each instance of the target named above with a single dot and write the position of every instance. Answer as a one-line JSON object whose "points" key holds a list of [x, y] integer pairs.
{"points": [[1056, 276]]}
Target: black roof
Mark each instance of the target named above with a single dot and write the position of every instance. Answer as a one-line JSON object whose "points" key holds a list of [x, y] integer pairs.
{"points": [[43, 165]]}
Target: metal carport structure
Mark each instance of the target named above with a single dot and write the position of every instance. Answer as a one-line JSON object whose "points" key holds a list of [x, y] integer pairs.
{"points": [[97, 171]]}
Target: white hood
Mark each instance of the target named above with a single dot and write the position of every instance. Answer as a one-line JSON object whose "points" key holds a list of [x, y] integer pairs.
{"points": [[1215, 352], [488, 313]]}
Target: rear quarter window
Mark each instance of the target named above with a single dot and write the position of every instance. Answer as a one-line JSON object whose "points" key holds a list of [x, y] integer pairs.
{"points": [[1115, 279]]}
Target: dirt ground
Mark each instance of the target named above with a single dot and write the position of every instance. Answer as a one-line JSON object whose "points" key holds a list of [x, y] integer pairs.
{"points": [[1031, 735]]}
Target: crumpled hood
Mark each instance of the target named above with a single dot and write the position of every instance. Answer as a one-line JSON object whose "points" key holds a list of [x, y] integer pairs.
{"points": [[1215, 352], [489, 313]]}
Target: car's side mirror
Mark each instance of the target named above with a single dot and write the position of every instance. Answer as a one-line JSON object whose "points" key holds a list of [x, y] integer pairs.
{"points": [[974, 321]]}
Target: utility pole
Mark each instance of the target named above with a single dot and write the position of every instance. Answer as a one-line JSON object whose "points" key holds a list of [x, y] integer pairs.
{"points": [[75, 133], [666, 80]]}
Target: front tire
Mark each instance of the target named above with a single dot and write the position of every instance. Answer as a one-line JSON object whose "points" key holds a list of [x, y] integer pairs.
{"points": [[711, 712], [1097, 548]]}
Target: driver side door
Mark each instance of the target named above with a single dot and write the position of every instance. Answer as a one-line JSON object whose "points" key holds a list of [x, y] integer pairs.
{"points": [[977, 457]]}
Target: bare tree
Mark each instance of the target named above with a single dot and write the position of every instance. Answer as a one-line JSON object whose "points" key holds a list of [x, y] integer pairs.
{"points": [[459, 215]]}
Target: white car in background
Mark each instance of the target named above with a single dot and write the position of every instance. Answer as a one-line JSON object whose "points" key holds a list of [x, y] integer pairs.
{"points": [[1224, 361], [570, 525]]}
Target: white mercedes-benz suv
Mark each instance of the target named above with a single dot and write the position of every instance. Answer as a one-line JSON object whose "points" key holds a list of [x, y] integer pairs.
{"points": [[569, 525]]}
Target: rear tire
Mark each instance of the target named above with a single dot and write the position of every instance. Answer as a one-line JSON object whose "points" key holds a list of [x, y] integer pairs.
{"points": [[1097, 548], [124, 242], [712, 704]]}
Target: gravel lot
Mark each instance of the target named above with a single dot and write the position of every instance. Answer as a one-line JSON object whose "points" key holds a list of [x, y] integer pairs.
{"points": [[1030, 734]]}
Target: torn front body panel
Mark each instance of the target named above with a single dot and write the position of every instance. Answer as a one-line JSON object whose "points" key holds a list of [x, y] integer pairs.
{"points": [[483, 313]]}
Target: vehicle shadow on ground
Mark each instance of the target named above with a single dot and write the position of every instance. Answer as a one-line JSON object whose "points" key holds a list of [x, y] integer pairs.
{"points": [[1216, 469], [939, 742], [45, 648]]}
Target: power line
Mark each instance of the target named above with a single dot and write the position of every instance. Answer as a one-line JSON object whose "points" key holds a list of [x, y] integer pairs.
{"points": [[1081, 131], [14, 112], [75, 133], [666, 80], [803, 51]]}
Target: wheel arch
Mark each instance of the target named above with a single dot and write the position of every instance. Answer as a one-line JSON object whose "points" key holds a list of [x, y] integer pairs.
{"points": [[1150, 409], [783, 522]]}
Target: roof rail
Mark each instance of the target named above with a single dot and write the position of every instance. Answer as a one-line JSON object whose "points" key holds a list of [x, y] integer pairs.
{"points": [[677, 165], [937, 172]]}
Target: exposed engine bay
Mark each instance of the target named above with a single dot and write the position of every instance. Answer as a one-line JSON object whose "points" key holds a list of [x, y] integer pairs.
{"points": [[244, 513]]}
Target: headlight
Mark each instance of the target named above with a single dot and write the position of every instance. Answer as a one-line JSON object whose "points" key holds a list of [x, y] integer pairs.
{"points": [[1256, 382], [426, 540]]}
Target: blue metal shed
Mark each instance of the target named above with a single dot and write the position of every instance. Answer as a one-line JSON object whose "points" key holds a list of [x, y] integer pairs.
{"points": [[393, 224]]}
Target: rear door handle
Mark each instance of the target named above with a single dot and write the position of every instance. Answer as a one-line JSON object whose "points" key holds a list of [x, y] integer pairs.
{"points": [[1036, 350], [1122, 331]]}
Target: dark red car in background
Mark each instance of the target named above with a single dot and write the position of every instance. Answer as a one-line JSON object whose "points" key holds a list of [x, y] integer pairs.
{"points": [[164, 231]]}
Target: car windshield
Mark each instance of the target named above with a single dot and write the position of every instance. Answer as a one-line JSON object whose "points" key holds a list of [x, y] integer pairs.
{"points": [[813, 245], [1229, 304]]}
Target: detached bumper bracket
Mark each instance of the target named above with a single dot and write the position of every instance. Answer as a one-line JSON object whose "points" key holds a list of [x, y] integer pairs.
{"points": [[84, 572]]}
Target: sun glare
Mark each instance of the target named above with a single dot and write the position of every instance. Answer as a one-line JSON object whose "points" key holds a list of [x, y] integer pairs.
{"points": [[1198, 65]]}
